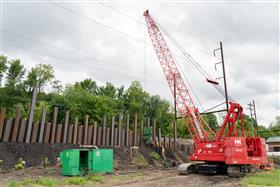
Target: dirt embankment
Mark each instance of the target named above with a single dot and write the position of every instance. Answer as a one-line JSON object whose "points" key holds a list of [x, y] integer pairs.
{"points": [[34, 154]]}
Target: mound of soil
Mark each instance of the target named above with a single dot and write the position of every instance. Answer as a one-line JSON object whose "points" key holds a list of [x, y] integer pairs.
{"points": [[34, 154]]}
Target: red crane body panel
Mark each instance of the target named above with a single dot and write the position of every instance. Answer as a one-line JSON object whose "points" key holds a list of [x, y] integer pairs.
{"points": [[232, 151]]}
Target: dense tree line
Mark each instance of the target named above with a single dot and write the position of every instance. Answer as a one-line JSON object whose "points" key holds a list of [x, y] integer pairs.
{"points": [[84, 97]]}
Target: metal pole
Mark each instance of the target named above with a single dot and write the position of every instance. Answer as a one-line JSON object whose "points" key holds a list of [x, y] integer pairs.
{"points": [[255, 112], [224, 74], [251, 115], [175, 105]]}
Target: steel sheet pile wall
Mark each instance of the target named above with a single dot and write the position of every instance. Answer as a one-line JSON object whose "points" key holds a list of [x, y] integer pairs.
{"points": [[110, 133]]}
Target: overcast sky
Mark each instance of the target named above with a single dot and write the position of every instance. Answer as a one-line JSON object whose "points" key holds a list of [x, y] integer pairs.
{"points": [[108, 42]]}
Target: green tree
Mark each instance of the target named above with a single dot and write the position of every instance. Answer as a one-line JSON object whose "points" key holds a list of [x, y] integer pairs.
{"points": [[39, 76], [108, 90], [211, 120], [15, 73], [136, 99], [88, 85], [3, 67]]}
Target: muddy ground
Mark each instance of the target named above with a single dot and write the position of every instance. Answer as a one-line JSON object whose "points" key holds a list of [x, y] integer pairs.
{"points": [[134, 178], [125, 172]]}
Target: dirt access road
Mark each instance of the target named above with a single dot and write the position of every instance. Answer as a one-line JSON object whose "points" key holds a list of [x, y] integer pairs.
{"points": [[170, 178], [135, 178]]}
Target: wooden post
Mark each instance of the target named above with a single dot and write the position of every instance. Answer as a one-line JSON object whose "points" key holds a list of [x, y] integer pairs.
{"points": [[164, 140], [89, 137], [2, 119], [154, 130], [141, 133], [115, 137], [130, 138], [47, 133], [103, 130], [107, 136], [127, 130], [76, 125], [7, 130], [120, 129], [31, 114], [99, 136], [94, 137], [135, 130], [148, 122], [169, 141], [42, 126], [80, 134], [123, 137], [65, 131], [16, 126], [175, 133], [159, 137], [53, 129], [22, 129], [35, 130], [86, 128], [112, 130], [58, 134], [70, 134]]}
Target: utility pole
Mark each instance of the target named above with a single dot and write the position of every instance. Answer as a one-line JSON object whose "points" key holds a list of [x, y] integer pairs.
{"points": [[175, 104], [253, 114], [224, 74]]}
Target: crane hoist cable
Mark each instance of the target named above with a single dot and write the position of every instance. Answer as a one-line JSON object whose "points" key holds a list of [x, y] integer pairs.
{"points": [[194, 62]]}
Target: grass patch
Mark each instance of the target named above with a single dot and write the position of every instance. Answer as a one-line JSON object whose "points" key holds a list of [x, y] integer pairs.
{"points": [[270, 178], [134, 176], [34, 182], [139, 161], [96, 178], [76, 180], [154, 155]]}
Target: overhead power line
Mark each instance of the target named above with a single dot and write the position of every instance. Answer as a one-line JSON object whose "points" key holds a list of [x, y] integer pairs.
{"points": [[94, 21], [79, 54], [121, 13], [76, 63]]}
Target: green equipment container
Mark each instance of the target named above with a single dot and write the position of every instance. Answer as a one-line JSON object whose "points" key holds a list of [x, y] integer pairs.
{"points": [[100, 161], [74, 162]]}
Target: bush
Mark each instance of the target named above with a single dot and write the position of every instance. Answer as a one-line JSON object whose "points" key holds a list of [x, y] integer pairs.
{"points": [[276, 159], [154, 156], [20, 165]]}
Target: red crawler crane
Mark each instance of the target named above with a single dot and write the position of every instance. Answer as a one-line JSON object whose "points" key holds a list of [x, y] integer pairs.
{"points": [[227, 151]]}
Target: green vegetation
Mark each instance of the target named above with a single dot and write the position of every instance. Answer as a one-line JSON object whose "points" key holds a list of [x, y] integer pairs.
{"points": [[270, 178], [44, 181], [86, 97], [139, 161], [20, 164], [76, 180], [154, 156], [96, 178]]}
